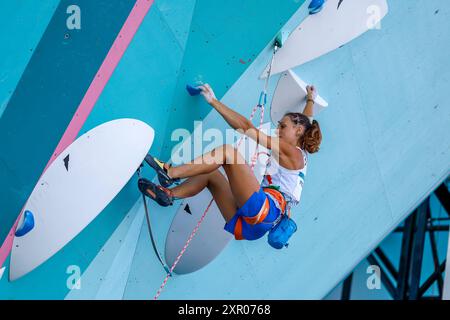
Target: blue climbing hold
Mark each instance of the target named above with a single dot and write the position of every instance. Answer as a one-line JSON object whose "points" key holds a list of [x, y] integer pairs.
{"points": [[193, 91], [316, 6], [27, 224]]}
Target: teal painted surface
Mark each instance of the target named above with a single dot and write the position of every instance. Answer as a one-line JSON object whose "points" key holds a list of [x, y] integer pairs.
{"points": [[145, 85], [47, 95], [225, 38], [107, 274]]}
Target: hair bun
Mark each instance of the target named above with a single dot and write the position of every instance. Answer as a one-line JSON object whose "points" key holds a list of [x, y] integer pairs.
{"points": [[312, 138]]}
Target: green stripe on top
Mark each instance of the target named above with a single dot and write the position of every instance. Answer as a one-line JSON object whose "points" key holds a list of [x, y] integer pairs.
{"points": [[51, 88]]}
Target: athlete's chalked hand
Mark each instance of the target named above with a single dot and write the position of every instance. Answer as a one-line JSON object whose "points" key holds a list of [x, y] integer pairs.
{"points": [[208, 93]]}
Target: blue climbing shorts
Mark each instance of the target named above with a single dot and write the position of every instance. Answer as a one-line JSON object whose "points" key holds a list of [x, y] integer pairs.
{"points": [[254, 218]]}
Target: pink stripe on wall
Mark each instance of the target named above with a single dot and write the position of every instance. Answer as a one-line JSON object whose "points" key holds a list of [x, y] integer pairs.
{"points": [[94, 91]]}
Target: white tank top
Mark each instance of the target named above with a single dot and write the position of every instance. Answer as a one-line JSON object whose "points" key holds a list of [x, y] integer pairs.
{"points": [[290, 182]]}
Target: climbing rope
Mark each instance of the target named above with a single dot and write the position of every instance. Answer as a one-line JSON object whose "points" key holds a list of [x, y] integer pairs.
{"points": [[261, 105]]}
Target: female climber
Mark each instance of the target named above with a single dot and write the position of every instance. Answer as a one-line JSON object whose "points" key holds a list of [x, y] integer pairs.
{"points": [[249, 209]]}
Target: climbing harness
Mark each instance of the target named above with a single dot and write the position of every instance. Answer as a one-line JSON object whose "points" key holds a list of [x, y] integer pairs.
{"points": [[261, 106]]}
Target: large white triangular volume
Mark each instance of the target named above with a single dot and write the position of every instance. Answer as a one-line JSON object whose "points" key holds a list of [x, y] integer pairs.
{"points": [[77, 186], [290, 96], [339, 22]]}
